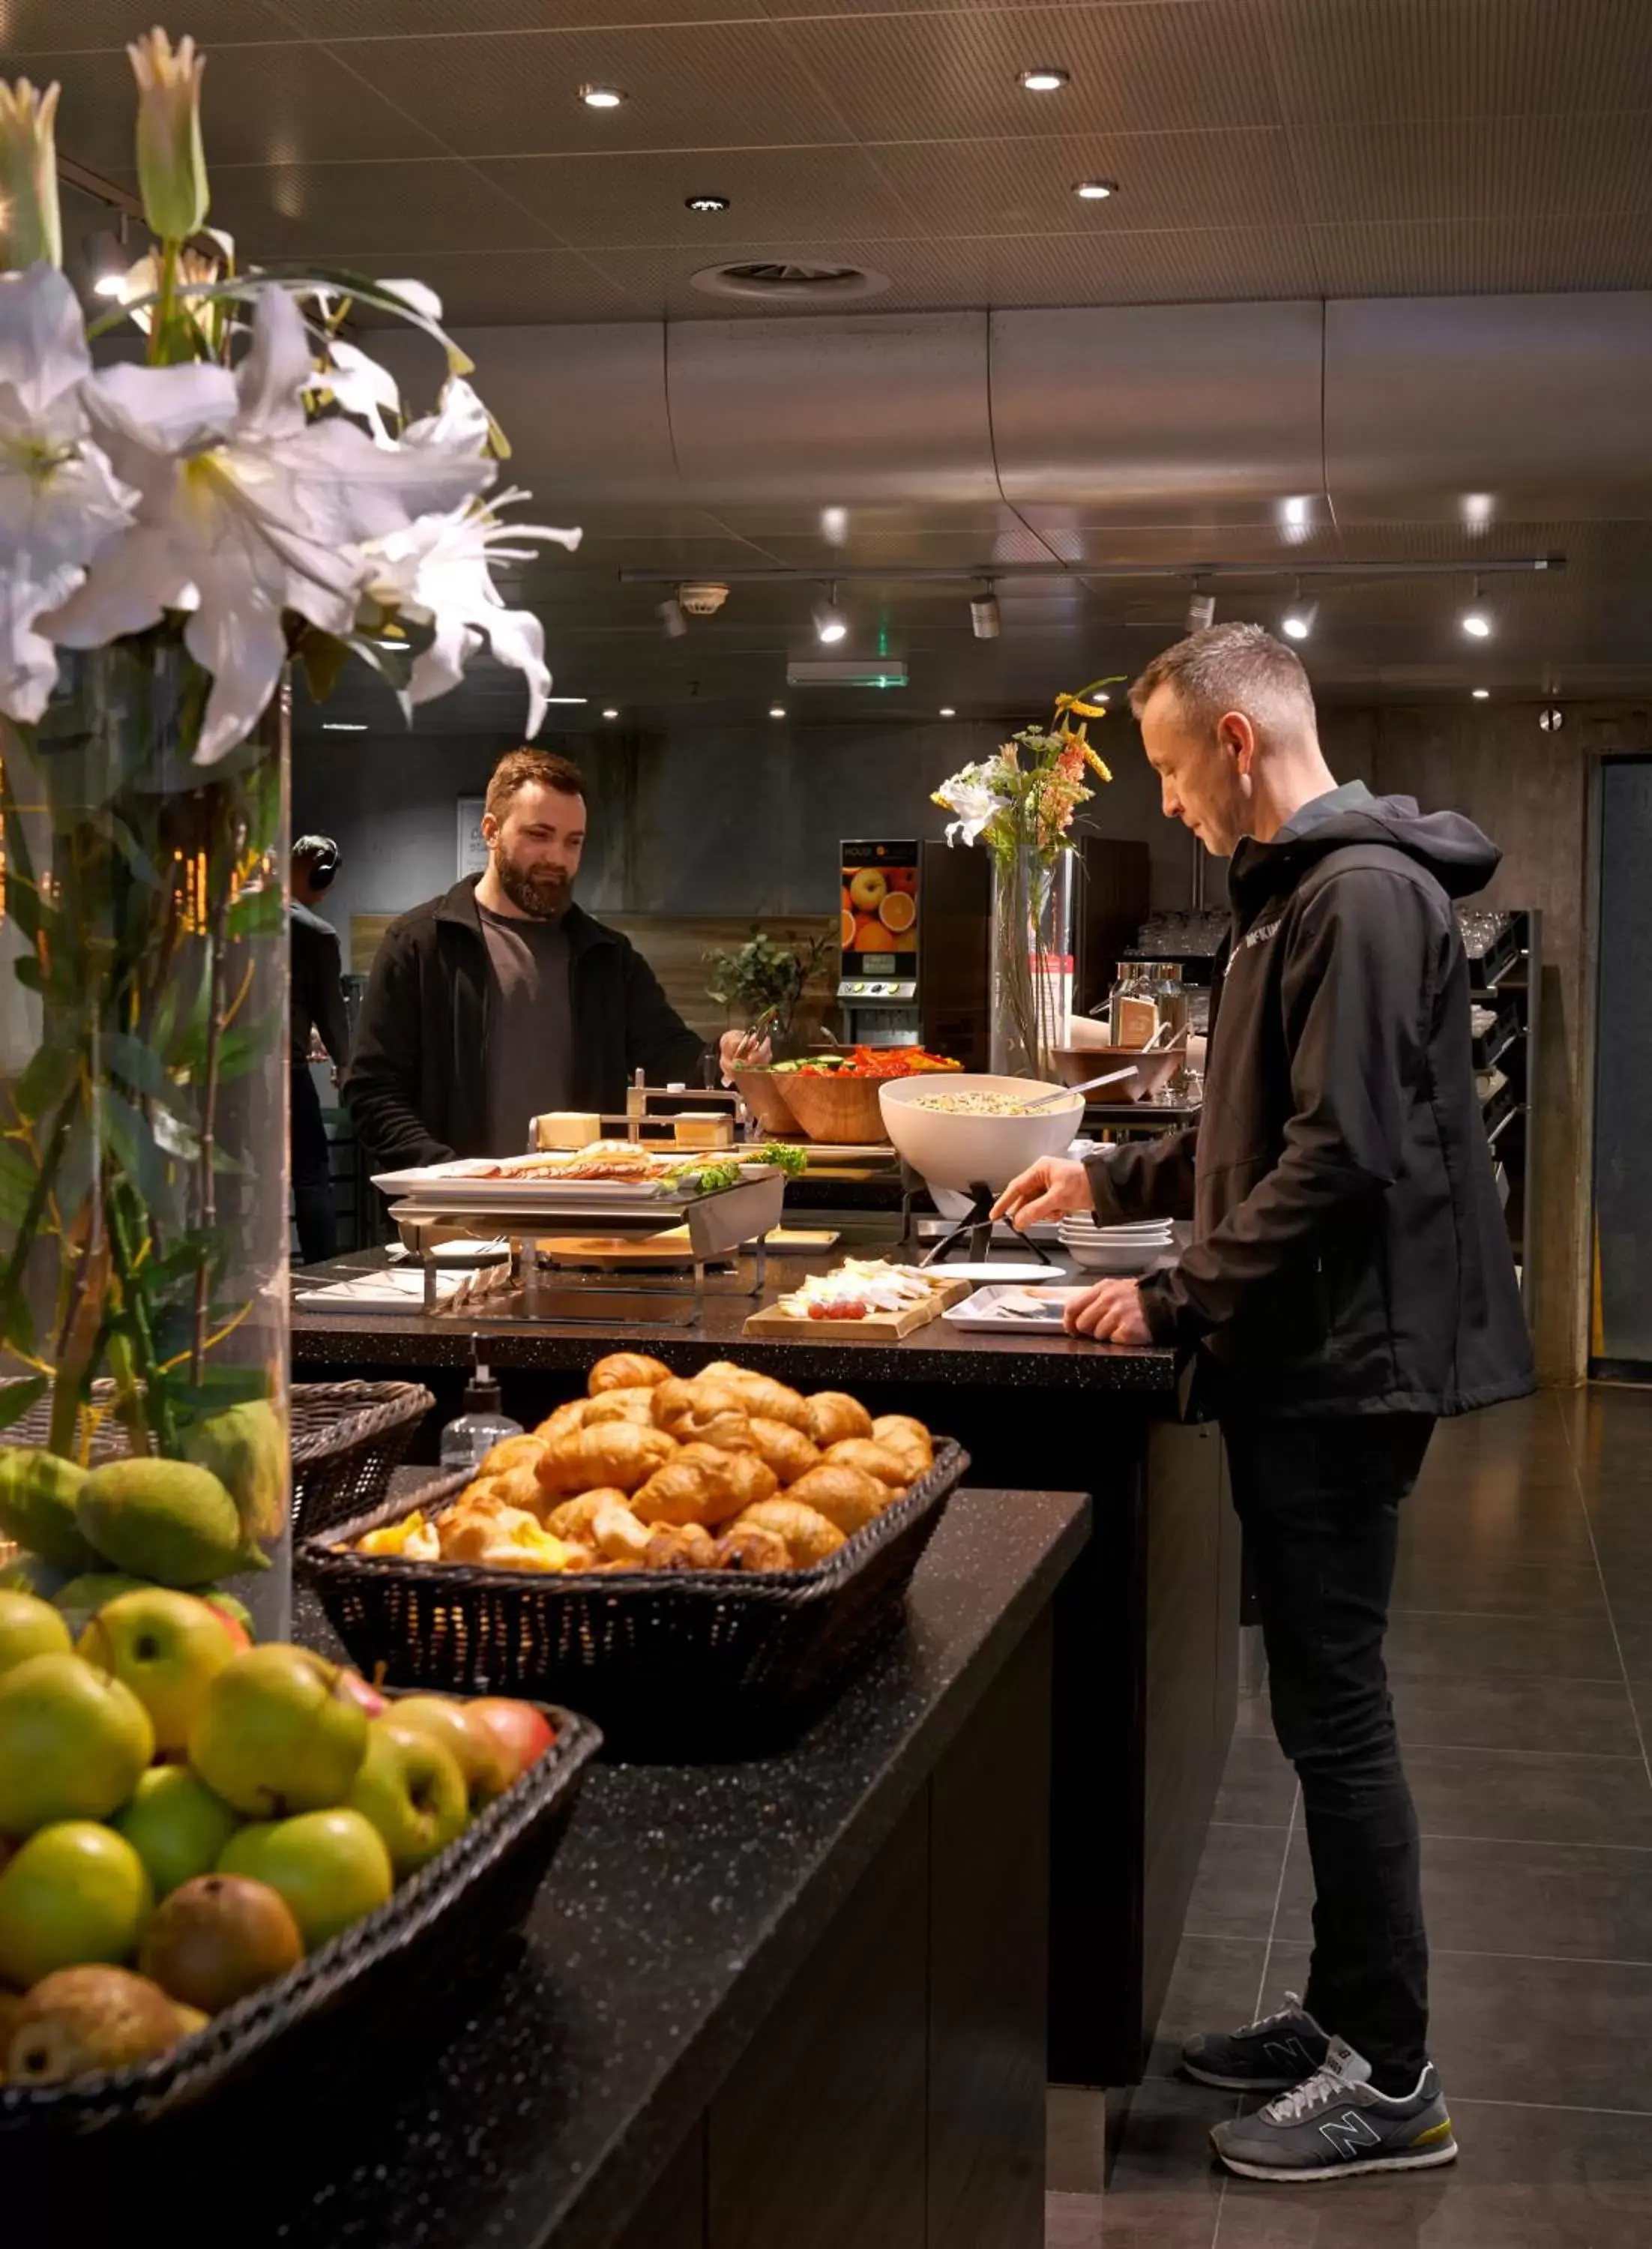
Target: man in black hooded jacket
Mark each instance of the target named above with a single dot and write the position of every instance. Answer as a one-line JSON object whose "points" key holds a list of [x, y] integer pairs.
{"points": [[1349, 1281]]}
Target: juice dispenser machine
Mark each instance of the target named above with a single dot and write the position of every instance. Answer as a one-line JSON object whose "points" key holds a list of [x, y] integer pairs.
{"points": [[915, 947]]}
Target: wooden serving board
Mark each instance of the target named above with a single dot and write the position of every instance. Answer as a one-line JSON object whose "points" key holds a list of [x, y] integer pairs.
{"points": [[877, 1327]]}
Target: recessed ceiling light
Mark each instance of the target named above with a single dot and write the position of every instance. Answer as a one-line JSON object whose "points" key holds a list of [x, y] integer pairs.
{"points": [[1095, 191], [947, 712], [1483, 694], [610, 714], [706, 203], [567, 698], [777, 710], [602, 97], [1044, 78]]}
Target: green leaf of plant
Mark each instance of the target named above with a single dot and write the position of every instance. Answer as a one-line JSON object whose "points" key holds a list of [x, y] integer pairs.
{"points": [[141, 1068], [17, 1181], [15, 1398], [46, 1078]]}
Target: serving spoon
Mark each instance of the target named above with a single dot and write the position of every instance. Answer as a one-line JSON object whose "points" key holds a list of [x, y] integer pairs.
{"points": [[1089, 1085]]}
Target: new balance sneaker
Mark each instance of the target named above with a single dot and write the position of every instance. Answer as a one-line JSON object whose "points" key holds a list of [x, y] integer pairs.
{"points": [[1269, 2056], [1337, 2125]]}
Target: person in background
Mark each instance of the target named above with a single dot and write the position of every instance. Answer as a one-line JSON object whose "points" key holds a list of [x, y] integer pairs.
{"points": [[318, 1011], [505, 998], [1350, 1279]]}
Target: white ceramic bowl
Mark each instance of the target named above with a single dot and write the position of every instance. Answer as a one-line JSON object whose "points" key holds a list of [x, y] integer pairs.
{"points": [[952, 1149]]}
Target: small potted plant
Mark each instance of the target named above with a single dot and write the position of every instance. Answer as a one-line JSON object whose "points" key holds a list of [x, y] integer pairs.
{"points": [[762, 982]]}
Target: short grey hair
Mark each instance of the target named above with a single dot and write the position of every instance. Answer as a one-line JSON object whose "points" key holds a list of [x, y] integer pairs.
{"points": [[1231, 667]]}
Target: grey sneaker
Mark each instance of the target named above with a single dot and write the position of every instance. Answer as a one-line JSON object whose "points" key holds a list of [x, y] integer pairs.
{"points": [[1337, 2125], [1269, 2056]]}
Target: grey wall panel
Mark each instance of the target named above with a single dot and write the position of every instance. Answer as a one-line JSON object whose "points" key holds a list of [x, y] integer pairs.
{"points": [[1158, 413], [1511, 407]]}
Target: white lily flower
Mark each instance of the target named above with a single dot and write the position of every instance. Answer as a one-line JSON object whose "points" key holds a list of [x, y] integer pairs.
{"points": [[30, 224], [246, 510], [172, 166], [439, 572], [59, 501], [974, 801], [360, 386]]}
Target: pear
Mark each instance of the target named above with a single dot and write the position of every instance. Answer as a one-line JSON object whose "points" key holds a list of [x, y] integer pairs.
{"points": [[39, 1493], [79, 2019], [245, 1447], [168, 1520], [218, 1937]]}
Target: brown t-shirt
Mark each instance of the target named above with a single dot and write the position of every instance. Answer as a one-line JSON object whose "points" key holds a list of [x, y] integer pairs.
{"points": [[530, 1026]]}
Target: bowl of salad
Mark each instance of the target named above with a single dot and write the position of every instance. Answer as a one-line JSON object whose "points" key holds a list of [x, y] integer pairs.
{"points": [[976, 1131], [834, 1097]]}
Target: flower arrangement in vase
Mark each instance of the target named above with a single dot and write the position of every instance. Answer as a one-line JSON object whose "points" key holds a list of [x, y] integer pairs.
{"points": [[176, 529], [1020, 805]]}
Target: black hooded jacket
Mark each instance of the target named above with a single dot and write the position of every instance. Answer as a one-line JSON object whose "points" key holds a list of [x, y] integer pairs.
{"points": [[417, 1080], [1349, 1251]]}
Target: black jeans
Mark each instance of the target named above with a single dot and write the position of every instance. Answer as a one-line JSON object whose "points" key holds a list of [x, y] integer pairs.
{"points": [[1320, 1501], [312, 1173]]}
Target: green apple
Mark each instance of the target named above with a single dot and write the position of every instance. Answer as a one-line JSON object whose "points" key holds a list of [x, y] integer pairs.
{"points": [[74, 1892], [278, 1731], [488, 1771], [29, 1626], [412, 1790], [332, 1867], [176, 1825], [72, 1742], [167, 1648]]}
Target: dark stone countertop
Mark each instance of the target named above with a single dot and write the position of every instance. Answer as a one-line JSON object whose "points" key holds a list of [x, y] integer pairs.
{"points": [[680, 1901], [343, 1345]]}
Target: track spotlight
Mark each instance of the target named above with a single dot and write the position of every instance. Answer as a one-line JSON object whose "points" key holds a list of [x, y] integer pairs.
{"points": [[672, 619], [830, 623], [1476, 622], [986, 623], [1298, 621], [1201, 611]]}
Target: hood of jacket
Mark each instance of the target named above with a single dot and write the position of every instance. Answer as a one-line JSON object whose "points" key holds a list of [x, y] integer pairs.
{"points": [[1460, 858]]}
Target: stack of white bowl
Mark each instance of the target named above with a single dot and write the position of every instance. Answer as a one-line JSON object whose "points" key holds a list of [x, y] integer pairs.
{"points": [[1137, 1247]]}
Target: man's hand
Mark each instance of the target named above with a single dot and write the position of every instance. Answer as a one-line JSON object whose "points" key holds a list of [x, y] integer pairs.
{"points": [[1111, 1312], [1053, 1186], [742, 1050]]}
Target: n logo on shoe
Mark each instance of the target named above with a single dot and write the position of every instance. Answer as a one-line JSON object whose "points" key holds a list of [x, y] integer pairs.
{"points": [[1289, 2054], [1349, 2133]]}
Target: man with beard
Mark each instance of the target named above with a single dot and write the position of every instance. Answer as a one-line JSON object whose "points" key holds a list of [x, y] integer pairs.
{"points": [[503, 998]]}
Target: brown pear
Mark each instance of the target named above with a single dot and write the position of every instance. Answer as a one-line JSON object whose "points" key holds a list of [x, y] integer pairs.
{"points": [[79, 2019], [213, 1940]]}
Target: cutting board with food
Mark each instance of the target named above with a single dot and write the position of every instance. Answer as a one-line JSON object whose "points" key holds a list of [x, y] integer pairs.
{"points": [[864, 1298]]}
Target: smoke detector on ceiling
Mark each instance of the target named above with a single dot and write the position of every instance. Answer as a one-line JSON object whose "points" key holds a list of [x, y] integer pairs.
{"points": [[781, 281], [703, 599]]}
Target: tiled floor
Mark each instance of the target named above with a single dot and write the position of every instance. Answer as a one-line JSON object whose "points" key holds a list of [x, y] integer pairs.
{"points": [[1521, 1656]]}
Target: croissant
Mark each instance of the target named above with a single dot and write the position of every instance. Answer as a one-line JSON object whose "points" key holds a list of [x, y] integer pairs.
{"points": [[617, 1453], [808, 1536], [899, 1433], [848, 1496], [785, 1449], [518, 1486], [512, 1452], [680, 1546], [866, 1453], [760, 1394], [467, 1532], [700, 1483], [702, 1412], [751, 1548], [562, 1419], [625, 1370], [635, 1404], [575, 1519], [833, 1414]]}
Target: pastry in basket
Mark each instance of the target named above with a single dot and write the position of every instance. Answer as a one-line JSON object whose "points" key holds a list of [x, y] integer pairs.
{"points": [[761, 1393], [680, 1546], [867, 1453], [602, 1520], [513, 1452], [786, 1450], [633, 1404], [848, 1496], [750, 1547], [518, 1486], [414, 1539], [617, 1453], [699, 1412], [808, 1536], [561, 1420], [833, 1414], [625, 1370], [503, 1538], [899, 1432], [702, 1483]]}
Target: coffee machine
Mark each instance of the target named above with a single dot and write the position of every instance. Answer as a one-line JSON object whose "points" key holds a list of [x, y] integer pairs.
{"points": [[916, 929]]}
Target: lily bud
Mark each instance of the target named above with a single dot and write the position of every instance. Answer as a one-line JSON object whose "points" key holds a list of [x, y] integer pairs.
{"points": [[172, 164], [31, 230]]}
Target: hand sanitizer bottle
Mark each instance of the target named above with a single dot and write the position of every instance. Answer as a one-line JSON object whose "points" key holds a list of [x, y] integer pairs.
{"points": [[482, 1426]]}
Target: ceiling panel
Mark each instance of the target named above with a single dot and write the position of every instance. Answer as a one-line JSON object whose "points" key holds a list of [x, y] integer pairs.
{"points": [[809, 195], [1340, 60], [1158, 66], [713, 86], [1508, 168], [919, 550], [925, 276], [411, 19], [29, 28], [1484, 256], [518, 287], [346, 213], [1025, 187], [1149, 267]]}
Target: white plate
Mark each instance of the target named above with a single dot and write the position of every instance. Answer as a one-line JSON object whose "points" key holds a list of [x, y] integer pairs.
{"points": [[459, 1187], [979, 1314], [996, 1269], [1142, 1259]]}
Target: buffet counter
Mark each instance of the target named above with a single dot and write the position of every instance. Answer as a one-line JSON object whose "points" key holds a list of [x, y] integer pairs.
{"points": [[1146, 1636]]}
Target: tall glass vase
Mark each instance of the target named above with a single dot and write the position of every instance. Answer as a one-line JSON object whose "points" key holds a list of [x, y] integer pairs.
{"points": [[143, 1141], [1032, 962]]}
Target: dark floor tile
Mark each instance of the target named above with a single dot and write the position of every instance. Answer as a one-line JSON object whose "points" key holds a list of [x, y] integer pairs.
{"points": [[1634, 1629], [1072, 2221], [1433, 1645], [1626, 1573], [1215, 1987], [1258, 1787], [1585, 1717], [1526, 2179], [1237, 1883], [1641, 1695], [1568, 1901], [1075, 2139], [1164, 2189], [1471, 1577], [1565, 2031], [1529, 1798]]}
